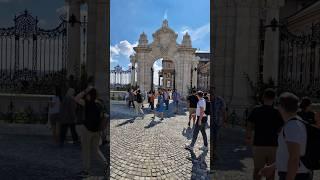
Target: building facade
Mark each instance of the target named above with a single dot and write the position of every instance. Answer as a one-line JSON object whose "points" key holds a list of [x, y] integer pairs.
{"points": [[120, 77], [203, 71]]}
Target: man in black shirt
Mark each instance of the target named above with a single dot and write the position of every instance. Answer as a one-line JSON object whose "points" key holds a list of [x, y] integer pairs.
{"points": [[305, 111], [266, 122], [193, 101]]}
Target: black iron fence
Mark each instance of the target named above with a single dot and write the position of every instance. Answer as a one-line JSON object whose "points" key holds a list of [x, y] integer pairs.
{"points": [[299, 62], [32, 59]]}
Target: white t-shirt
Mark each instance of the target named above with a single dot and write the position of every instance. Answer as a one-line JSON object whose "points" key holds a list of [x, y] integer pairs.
{"points": [[56, 105], [294, 131], [201, 103]]}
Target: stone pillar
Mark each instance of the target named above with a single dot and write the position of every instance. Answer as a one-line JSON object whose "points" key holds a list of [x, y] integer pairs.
{"points": [[101, 68], [271, 47], [73, 65], [242, 51], [92, 36]]}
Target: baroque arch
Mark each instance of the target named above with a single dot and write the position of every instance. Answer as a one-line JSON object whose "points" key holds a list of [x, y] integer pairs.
{"points": [[165, 46]]}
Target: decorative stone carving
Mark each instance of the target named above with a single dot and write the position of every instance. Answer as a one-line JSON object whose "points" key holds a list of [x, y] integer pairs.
{"points": [[143, 40], [164, 46], [186, 41]]}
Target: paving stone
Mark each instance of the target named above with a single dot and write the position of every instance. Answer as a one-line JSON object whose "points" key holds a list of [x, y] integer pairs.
{"points": [[156, 146]]}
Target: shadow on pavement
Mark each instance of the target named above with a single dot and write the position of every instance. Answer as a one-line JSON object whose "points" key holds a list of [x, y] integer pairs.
{"points": [[126, 122], [231, 151], [187, 133], [152, 124], [199, 164]]}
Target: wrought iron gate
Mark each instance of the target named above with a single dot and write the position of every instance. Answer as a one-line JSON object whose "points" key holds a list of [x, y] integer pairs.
{"points": [[32, 60], [299, 62]]}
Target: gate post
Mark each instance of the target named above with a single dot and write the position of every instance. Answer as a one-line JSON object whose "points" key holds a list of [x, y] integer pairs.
{"points": [[73, 64], [271, 48]]}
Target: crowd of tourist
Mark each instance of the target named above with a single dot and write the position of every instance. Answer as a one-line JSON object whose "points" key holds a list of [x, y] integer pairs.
{"points": [[277, 129], [284, 137]]}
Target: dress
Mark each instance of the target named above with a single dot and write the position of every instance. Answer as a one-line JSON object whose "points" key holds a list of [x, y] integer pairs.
{"points": [[160, 107]]}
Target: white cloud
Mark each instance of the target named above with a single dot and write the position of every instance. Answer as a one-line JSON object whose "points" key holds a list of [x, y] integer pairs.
{"points": [[123, 48], [165, 16], [197, 33]]}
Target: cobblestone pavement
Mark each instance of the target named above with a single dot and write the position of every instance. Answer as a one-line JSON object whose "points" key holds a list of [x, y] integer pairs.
{"points": [[28, 153], [234, 161], [154, 149]]}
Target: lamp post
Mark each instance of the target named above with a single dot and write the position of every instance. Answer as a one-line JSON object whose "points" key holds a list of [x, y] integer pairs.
{"points": [[73, 20]]}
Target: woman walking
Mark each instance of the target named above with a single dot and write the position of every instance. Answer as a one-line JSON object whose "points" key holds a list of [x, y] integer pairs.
{"points": [[151, 99], [160, 105]]}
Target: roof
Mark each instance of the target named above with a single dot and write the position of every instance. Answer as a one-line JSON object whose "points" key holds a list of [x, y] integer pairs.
{"points": [[203, 55]]}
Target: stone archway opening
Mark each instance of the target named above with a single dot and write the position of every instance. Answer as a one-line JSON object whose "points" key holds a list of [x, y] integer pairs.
{"points": [[163, 74]]}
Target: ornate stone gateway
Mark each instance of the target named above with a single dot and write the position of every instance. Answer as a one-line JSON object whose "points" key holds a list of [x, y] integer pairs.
{"points": [[164, 46]]}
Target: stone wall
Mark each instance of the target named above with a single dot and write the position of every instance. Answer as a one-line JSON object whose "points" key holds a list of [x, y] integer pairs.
{"points": [[24, 105]]}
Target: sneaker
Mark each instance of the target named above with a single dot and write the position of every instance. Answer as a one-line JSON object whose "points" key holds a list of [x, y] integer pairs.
{"points": [[83, 174], [204, 148], [189, 147]]}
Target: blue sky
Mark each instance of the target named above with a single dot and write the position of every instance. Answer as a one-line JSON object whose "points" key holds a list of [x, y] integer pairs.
{"points": [[129, 18]]}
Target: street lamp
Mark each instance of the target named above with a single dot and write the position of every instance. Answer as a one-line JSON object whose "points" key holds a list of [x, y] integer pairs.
{"points": [[274, 24], [73, 20]]}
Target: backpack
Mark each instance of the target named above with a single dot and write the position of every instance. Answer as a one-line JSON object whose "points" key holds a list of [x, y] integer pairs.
{"points": [[139, 98], [207, 111], [311, 158]]}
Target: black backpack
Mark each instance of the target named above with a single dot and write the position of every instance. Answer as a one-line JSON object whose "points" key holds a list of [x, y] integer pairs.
{"points": [[311, 158], [207, 111], [139, 98]]}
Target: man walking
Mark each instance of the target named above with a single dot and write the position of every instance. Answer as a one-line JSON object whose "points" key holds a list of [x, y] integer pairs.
{"points": [[131, 98], [166, 98], [291, 143], [193, 100], [266, 122], [200, 124], [138, 103], [176, 99]]}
